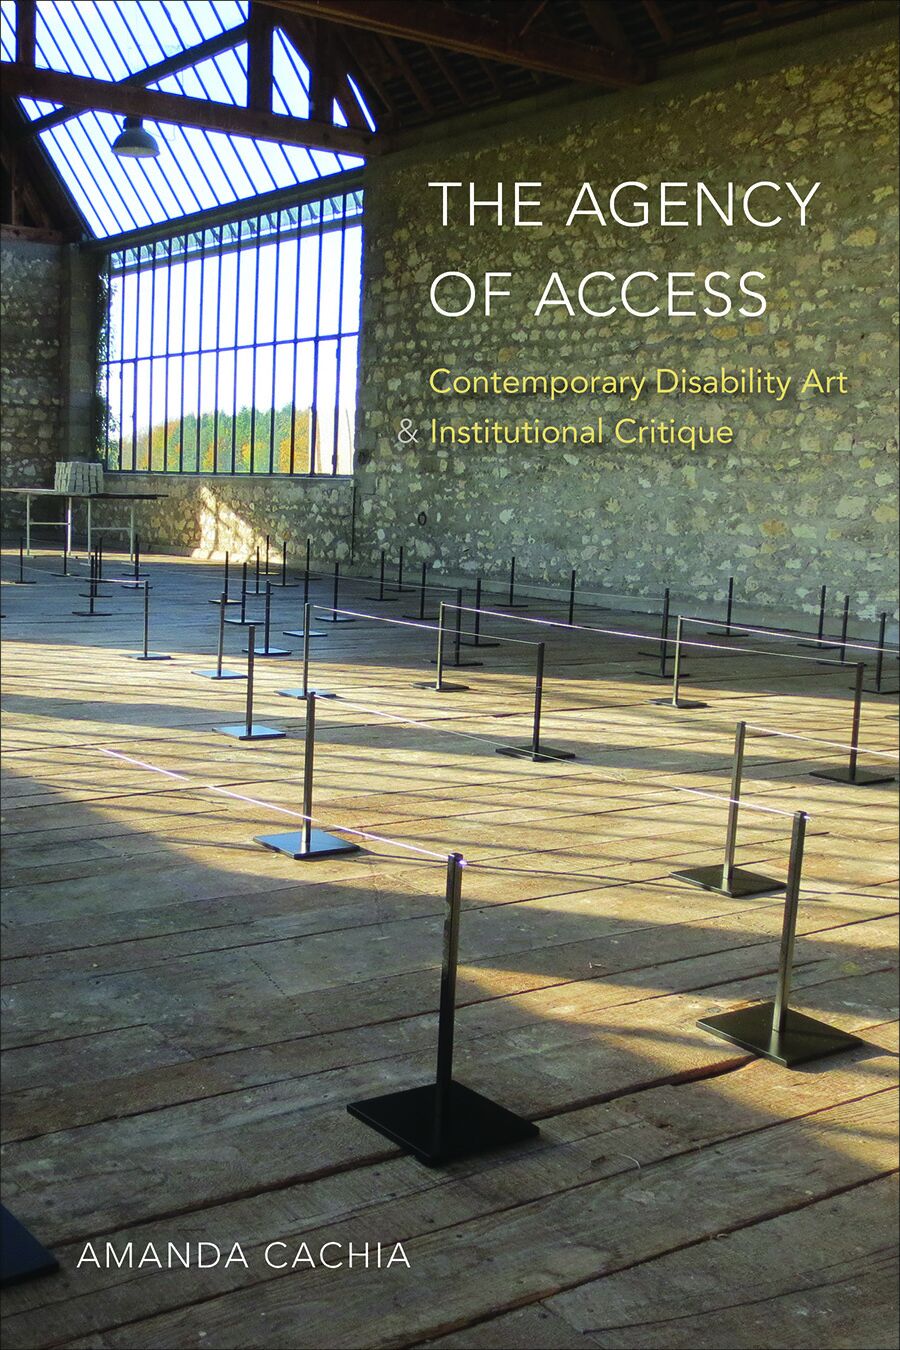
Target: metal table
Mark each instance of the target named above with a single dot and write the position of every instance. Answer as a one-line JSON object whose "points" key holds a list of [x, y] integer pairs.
{"points": [[132, 498]]}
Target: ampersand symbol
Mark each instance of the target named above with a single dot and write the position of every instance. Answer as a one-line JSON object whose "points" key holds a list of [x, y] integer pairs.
{"points": [[407, 435]]}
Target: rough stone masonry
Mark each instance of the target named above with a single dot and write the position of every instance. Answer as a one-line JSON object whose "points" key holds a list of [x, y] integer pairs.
{"points": [[805, 494]]}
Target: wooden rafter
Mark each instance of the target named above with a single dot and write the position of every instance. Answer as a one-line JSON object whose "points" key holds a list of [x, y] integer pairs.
{"points": [[660, 22], [259, 59], [171, 65], [604, 20], [131, 101], [442, 26], [26, 25]]}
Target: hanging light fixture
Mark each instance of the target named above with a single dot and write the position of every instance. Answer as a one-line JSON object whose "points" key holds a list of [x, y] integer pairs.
{"points": [[133, 142]]}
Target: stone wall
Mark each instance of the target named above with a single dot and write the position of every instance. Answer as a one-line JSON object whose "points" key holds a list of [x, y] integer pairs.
{"points": [[805, 495], [31, 390], [206, 516]]}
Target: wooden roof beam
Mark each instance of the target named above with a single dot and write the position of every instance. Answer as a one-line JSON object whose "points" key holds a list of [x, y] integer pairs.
{"points": [[441, 26], [170, 65], [106, 95]]}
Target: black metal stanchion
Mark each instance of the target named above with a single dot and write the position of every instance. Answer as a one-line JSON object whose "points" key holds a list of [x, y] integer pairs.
{"points": [[728, 879], [400, 572], [307, 842], [283, 580], [879, 659], [21, 1255], [306, 633], [440, 685], [512, 602], [133, 582], [145, 654], [535, 751], [775, 1030], [385, 599], [457, 635], [443, 1121], [572, 598], [248, 730], [241, 620], [853, 774], [229, 599], [729, 610], [477, 639], [841, 644], [820, 632], [219, 673], [65, 561], [21, 579], [662, 673], [90, 595], [267, 649], [423, 586], [333, 616], [256, 590], [676, 701], [266, 563]]}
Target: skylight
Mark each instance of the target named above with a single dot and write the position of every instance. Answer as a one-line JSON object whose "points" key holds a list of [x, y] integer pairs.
{"points": [[196, 169]]}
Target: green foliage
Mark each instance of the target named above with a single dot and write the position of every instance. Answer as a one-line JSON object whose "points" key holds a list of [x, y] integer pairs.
{"points": [[207, 447]]}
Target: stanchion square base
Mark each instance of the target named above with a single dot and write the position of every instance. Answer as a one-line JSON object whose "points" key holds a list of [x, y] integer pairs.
{"points": [[220, 674], [268, 651], [97, 614], [24, 583], [335, 618], [862, 777], [23, 1257], [302, 693], [655, 675], [742, 882], [257, 732], [543, 756], [298, 632], [678, 703], [442, 688], [243, 623], [803, 1038], [458, 665], [321, 845], [483, 642], [473, 1124], [228, 602], [151, 656]]}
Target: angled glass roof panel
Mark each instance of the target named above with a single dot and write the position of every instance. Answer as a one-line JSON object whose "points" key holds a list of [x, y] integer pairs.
{"points": [[195, 169]]}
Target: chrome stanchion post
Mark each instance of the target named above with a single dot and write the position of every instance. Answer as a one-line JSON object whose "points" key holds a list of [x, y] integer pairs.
{"points": [[306, 633], [774, 1030], [250, 730], [219, 673], [444, 1120], [728, 879], [306, 842], [676, 701]]}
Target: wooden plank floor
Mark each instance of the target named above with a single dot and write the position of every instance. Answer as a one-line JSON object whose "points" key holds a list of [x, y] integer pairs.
{"points": [[187, 1015]]}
